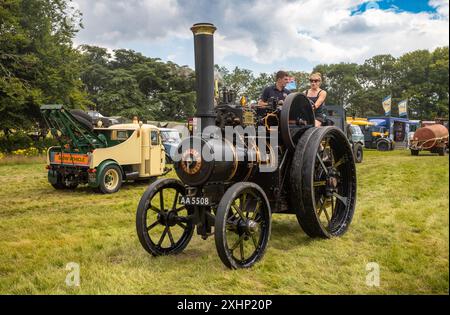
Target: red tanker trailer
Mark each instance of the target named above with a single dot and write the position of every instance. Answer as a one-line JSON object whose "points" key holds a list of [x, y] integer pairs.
{"points": [[433, 138]]}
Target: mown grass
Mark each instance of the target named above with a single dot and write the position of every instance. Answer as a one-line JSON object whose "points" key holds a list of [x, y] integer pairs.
{"points": [[401, 223]]}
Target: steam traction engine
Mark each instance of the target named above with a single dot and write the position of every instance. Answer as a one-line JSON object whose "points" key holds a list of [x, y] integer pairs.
{"points": [[230, 187]]}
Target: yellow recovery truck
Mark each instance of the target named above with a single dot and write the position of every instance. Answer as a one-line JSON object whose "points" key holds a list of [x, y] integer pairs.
{"points": [[100, 157]]}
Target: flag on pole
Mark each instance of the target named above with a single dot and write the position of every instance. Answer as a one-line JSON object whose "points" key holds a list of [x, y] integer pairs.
{"points": [[387, 105], [403, 108]]}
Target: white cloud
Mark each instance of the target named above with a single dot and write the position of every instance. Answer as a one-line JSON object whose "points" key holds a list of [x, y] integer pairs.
{"points": [[320, 31], [441, 7]]}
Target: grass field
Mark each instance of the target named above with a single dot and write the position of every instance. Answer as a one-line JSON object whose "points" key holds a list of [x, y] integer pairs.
{"points": [[401, 223]]}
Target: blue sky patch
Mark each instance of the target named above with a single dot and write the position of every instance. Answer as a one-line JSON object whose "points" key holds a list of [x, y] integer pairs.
{"points": [[415, 6]]}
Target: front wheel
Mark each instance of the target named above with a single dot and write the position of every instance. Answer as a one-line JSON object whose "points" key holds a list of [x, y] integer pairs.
{"points": [[163, 225], [414, 152], [383, 145], [242, 227]]}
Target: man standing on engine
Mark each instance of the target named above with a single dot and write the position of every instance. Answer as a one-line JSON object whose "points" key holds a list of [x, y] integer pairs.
{"points": [[277, 91]]}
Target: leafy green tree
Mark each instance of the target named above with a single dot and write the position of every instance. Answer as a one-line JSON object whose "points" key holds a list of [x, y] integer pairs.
{"points": [[38, 64], [257, 85]]}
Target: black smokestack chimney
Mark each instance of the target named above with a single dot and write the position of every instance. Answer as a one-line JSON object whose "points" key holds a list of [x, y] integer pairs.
{"points": [[204, 72]]}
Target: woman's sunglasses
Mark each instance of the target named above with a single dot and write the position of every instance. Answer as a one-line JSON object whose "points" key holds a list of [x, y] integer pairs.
{"points": [[314, 81]]}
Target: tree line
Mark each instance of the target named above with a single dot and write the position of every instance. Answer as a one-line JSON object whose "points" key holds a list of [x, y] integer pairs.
{"points": [[39, 65]]}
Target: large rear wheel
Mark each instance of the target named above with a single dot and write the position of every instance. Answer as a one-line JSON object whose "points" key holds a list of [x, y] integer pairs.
{"points": [[242, 227], [328, 184]]}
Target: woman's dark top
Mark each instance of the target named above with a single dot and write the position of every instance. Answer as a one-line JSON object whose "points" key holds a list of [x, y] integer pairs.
{"points": [[320, 112]]}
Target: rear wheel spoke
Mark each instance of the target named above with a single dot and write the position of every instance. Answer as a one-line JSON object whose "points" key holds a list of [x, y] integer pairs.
{"points": [[322, 206], [319, 183], [342, 199], [327, 215], [332, 206], [321, 163], [339, 163]]}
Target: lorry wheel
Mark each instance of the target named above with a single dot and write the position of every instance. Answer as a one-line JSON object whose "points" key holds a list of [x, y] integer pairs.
{"points": [[83, 118], [163, 224], [84, 122], [110, 179], [69, 182], [59, 182], [414, 152], [328, 184], [242, 225], [383, 146], [80, 113], [358, 152]]}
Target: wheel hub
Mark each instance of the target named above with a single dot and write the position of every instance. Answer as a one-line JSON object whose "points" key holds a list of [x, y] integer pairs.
{"points": [[332, 182], [167, 218], [247, 226]]}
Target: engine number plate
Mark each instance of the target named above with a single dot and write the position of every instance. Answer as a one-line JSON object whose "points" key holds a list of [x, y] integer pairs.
{"points": [[194, 201]]}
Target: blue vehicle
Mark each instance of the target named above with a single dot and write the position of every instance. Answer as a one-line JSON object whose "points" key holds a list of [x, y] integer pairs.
{"points": [[387, 133], [170, 139]]}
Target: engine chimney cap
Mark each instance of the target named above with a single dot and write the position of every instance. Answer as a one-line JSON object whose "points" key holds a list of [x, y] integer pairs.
{"points": [[203, 28]]}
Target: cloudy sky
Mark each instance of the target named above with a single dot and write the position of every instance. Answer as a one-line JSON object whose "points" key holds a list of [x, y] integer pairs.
{"points": [[267, 35]]}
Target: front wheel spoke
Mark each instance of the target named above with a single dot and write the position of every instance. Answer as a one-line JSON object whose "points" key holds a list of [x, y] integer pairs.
{"points": [[151, 226], [152, 207], [342, 199], [241, 249], [170, 236], [319, 183], [179, 209], [322, 164], [175, 200], [255, 241], [238, 211], [182, 219], [162, 236], [243, 200], [161, 199], [236, 244], [256, 210], [182, 225]]}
